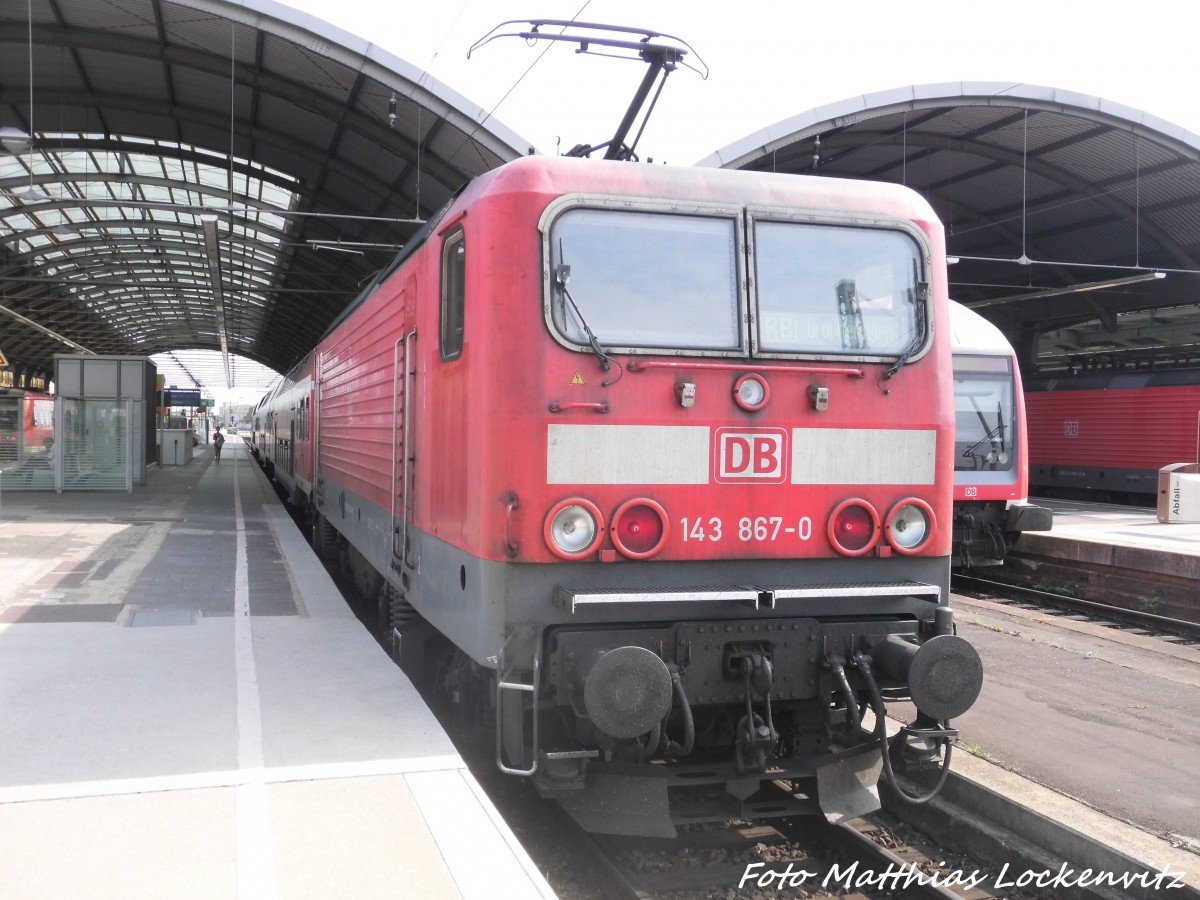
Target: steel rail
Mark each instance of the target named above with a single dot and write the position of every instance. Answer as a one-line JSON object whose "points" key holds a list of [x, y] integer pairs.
{"points": [[1133, 616]]}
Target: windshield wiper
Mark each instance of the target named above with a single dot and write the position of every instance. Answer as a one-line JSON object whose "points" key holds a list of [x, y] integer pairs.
{"points": [[920, 297], [1000, 425], [994, 436], [562, 274]]}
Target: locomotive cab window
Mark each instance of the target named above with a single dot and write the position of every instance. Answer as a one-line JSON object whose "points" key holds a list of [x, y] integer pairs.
{"points": [[985, 429], [453, 303], [833, 290], [645, 280], [628, 280]]}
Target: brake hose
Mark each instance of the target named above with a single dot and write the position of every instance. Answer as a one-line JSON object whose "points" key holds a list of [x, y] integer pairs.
{"points": [[668, 747], [877, 707], [855, 723]]}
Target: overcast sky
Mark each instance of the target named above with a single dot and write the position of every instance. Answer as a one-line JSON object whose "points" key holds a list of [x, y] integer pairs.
{"points": [[771, 61]]}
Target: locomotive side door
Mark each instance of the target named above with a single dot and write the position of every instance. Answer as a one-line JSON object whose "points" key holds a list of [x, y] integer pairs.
{"points": [[403, 449]]}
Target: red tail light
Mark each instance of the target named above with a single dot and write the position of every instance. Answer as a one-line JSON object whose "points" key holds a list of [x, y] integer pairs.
{"points": [[853, 527], [639, 528]]}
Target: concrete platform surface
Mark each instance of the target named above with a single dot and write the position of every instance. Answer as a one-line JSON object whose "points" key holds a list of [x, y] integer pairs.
{"points": [[1117, 525], [191, 711]]}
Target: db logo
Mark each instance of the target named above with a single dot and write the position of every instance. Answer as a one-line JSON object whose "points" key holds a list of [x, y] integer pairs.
{"points": [[751, 455]]}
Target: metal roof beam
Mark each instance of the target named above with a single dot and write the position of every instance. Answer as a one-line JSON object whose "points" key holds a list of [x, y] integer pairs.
{"points": [[212, 249]]}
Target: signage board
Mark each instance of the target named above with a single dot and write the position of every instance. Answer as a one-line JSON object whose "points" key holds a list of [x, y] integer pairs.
{"points": [[179, 397]]}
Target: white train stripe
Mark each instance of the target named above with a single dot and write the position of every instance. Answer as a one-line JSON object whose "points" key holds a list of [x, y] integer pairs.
{"points": [[627, 454], [863, 456], [683, 454]]}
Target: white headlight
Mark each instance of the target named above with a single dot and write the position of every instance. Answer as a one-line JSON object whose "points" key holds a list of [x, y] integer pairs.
{"points": [[909, 526], [751, 392], [572, 528]]}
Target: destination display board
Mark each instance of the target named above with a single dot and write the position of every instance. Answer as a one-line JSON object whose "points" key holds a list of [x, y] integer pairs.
{"points": [[179, 397]]}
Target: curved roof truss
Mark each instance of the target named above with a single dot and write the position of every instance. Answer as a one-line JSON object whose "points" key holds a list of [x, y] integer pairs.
{"points": [[209, 174], [1075, 221]]}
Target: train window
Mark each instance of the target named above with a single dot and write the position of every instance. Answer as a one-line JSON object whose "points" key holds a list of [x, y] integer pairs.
{"points": [[43, 413], [645, 280], [834, 290], [985, 429], [454, 267]]}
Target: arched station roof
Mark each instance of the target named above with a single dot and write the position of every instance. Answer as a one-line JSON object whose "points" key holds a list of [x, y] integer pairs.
{"points": [[1060, 208], [217, 174]]}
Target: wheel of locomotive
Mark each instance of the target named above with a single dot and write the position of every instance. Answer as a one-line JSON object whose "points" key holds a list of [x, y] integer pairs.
{"points": [[422, 652]]}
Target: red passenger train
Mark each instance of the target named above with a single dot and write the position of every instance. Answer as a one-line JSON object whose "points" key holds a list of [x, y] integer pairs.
{"points": [[651, 471], [991, 446], [26, 423], [1104, 436]]}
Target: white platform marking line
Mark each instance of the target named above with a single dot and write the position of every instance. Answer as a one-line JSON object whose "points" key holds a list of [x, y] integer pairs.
{"points": [[29, 793], [535, 876], [255, 847], [473, 845]]}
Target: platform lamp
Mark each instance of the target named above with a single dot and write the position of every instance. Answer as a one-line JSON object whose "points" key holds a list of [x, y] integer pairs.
{"points": [[14, 140], [17, 142]]}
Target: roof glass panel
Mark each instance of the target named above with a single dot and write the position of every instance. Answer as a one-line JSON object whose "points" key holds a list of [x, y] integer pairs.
{"points": [[140, 203]]}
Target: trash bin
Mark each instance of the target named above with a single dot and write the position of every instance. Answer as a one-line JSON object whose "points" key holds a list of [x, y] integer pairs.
{"points": [[1179, 493]]}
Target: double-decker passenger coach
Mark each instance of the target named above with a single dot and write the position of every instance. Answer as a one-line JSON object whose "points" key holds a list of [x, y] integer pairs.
{"points": [[991, 452], [651, 469]]}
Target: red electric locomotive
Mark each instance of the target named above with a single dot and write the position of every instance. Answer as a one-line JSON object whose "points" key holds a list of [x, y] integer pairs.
{"points": [[991, 452], [651, 469]]}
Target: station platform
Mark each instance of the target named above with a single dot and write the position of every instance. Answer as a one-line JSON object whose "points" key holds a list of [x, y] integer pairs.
{"points": [[1120, 555], [1124, 528], [192, 711]]}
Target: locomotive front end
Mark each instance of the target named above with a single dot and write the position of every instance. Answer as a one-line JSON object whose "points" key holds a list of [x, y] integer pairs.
{"points": [[991, 453], [747, 476]]}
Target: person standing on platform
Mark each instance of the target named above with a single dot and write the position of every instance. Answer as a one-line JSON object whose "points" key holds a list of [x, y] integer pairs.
{"points": [[218, 443]]}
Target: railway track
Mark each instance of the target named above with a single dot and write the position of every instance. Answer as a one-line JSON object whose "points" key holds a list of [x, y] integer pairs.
{"points": [[1106, 613], [877, 856], [784, 858]]}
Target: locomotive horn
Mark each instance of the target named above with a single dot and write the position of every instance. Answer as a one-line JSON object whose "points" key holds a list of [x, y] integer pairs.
{"points": [[944, 674], [627, 692]]}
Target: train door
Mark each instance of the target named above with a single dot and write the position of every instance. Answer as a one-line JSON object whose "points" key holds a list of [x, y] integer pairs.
{"points": [[403, 450]]}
